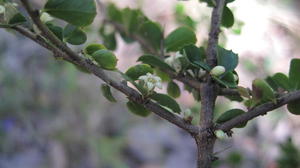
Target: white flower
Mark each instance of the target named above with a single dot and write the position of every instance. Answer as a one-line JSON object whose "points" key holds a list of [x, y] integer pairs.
{"points": [[45, 17], [151, 81], [2, 9], [174, 61]]}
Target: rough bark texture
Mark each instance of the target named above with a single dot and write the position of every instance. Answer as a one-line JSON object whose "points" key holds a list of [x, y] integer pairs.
{"points": [[205, 141]]}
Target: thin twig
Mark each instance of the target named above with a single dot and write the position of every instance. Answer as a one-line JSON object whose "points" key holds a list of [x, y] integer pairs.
{"points": [[260, 110]]}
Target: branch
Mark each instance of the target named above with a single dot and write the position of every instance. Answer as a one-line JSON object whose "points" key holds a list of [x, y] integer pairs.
{"points": [[209, 91], [211, 51], [259, 110], [65, 52]]}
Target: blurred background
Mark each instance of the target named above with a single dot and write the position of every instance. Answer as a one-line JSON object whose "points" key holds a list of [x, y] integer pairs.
{"points": [[54, 116]]}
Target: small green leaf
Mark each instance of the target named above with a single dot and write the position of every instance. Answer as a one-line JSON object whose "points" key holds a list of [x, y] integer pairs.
{"points": [[230, 114], [56, 30], [163, 76], [74, 35], [227, 80], [194, 54], [173, 89], [107, 93], [91, 48], [196, 95], [166, 101], [294, 74], [17, 19], [227, 59], [244, 92], [105, 59], [131, 18], [227, 18], [179, 38], [114, 13], [152, 33], [155, 61], [262, 92], [282, 81], [110, 41], [137, 109], [294, 107], [234, 98], [138, 70], [76, 12]]}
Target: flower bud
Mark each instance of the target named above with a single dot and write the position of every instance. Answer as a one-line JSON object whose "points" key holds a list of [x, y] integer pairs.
{"points": [[220, 134], [236, 78], [45, 17], [217, 70]]}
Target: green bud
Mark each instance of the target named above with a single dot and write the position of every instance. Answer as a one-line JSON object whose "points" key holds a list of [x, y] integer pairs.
{"points": [[220, 134], [217, 70], [45, 17]]}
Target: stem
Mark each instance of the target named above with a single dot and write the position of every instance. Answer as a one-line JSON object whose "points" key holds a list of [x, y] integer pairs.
{"points": [[205, 141]]}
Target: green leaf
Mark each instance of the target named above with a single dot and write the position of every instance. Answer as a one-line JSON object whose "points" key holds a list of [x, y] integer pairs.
{"points": [[262, 92], [138, 70], [76, 12], [56, 30], [227, 59], [166, 101], [294, 107], [173, 89], [152, 33], [230, 114], [179, 38], [272, 83], [282, 81], [194, 54], [74, 35], [155, 61], [294, 74], [17, 19], [107, 93], [164, 76], [110, 41], [93, 47], [227, 18], [131, 18], [114, 13], [137, 109], [105, 59], [196, 95], [226, 81]]}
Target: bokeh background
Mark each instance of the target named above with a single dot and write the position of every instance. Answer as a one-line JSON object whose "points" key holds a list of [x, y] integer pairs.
{"points": [[54, 116]]}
